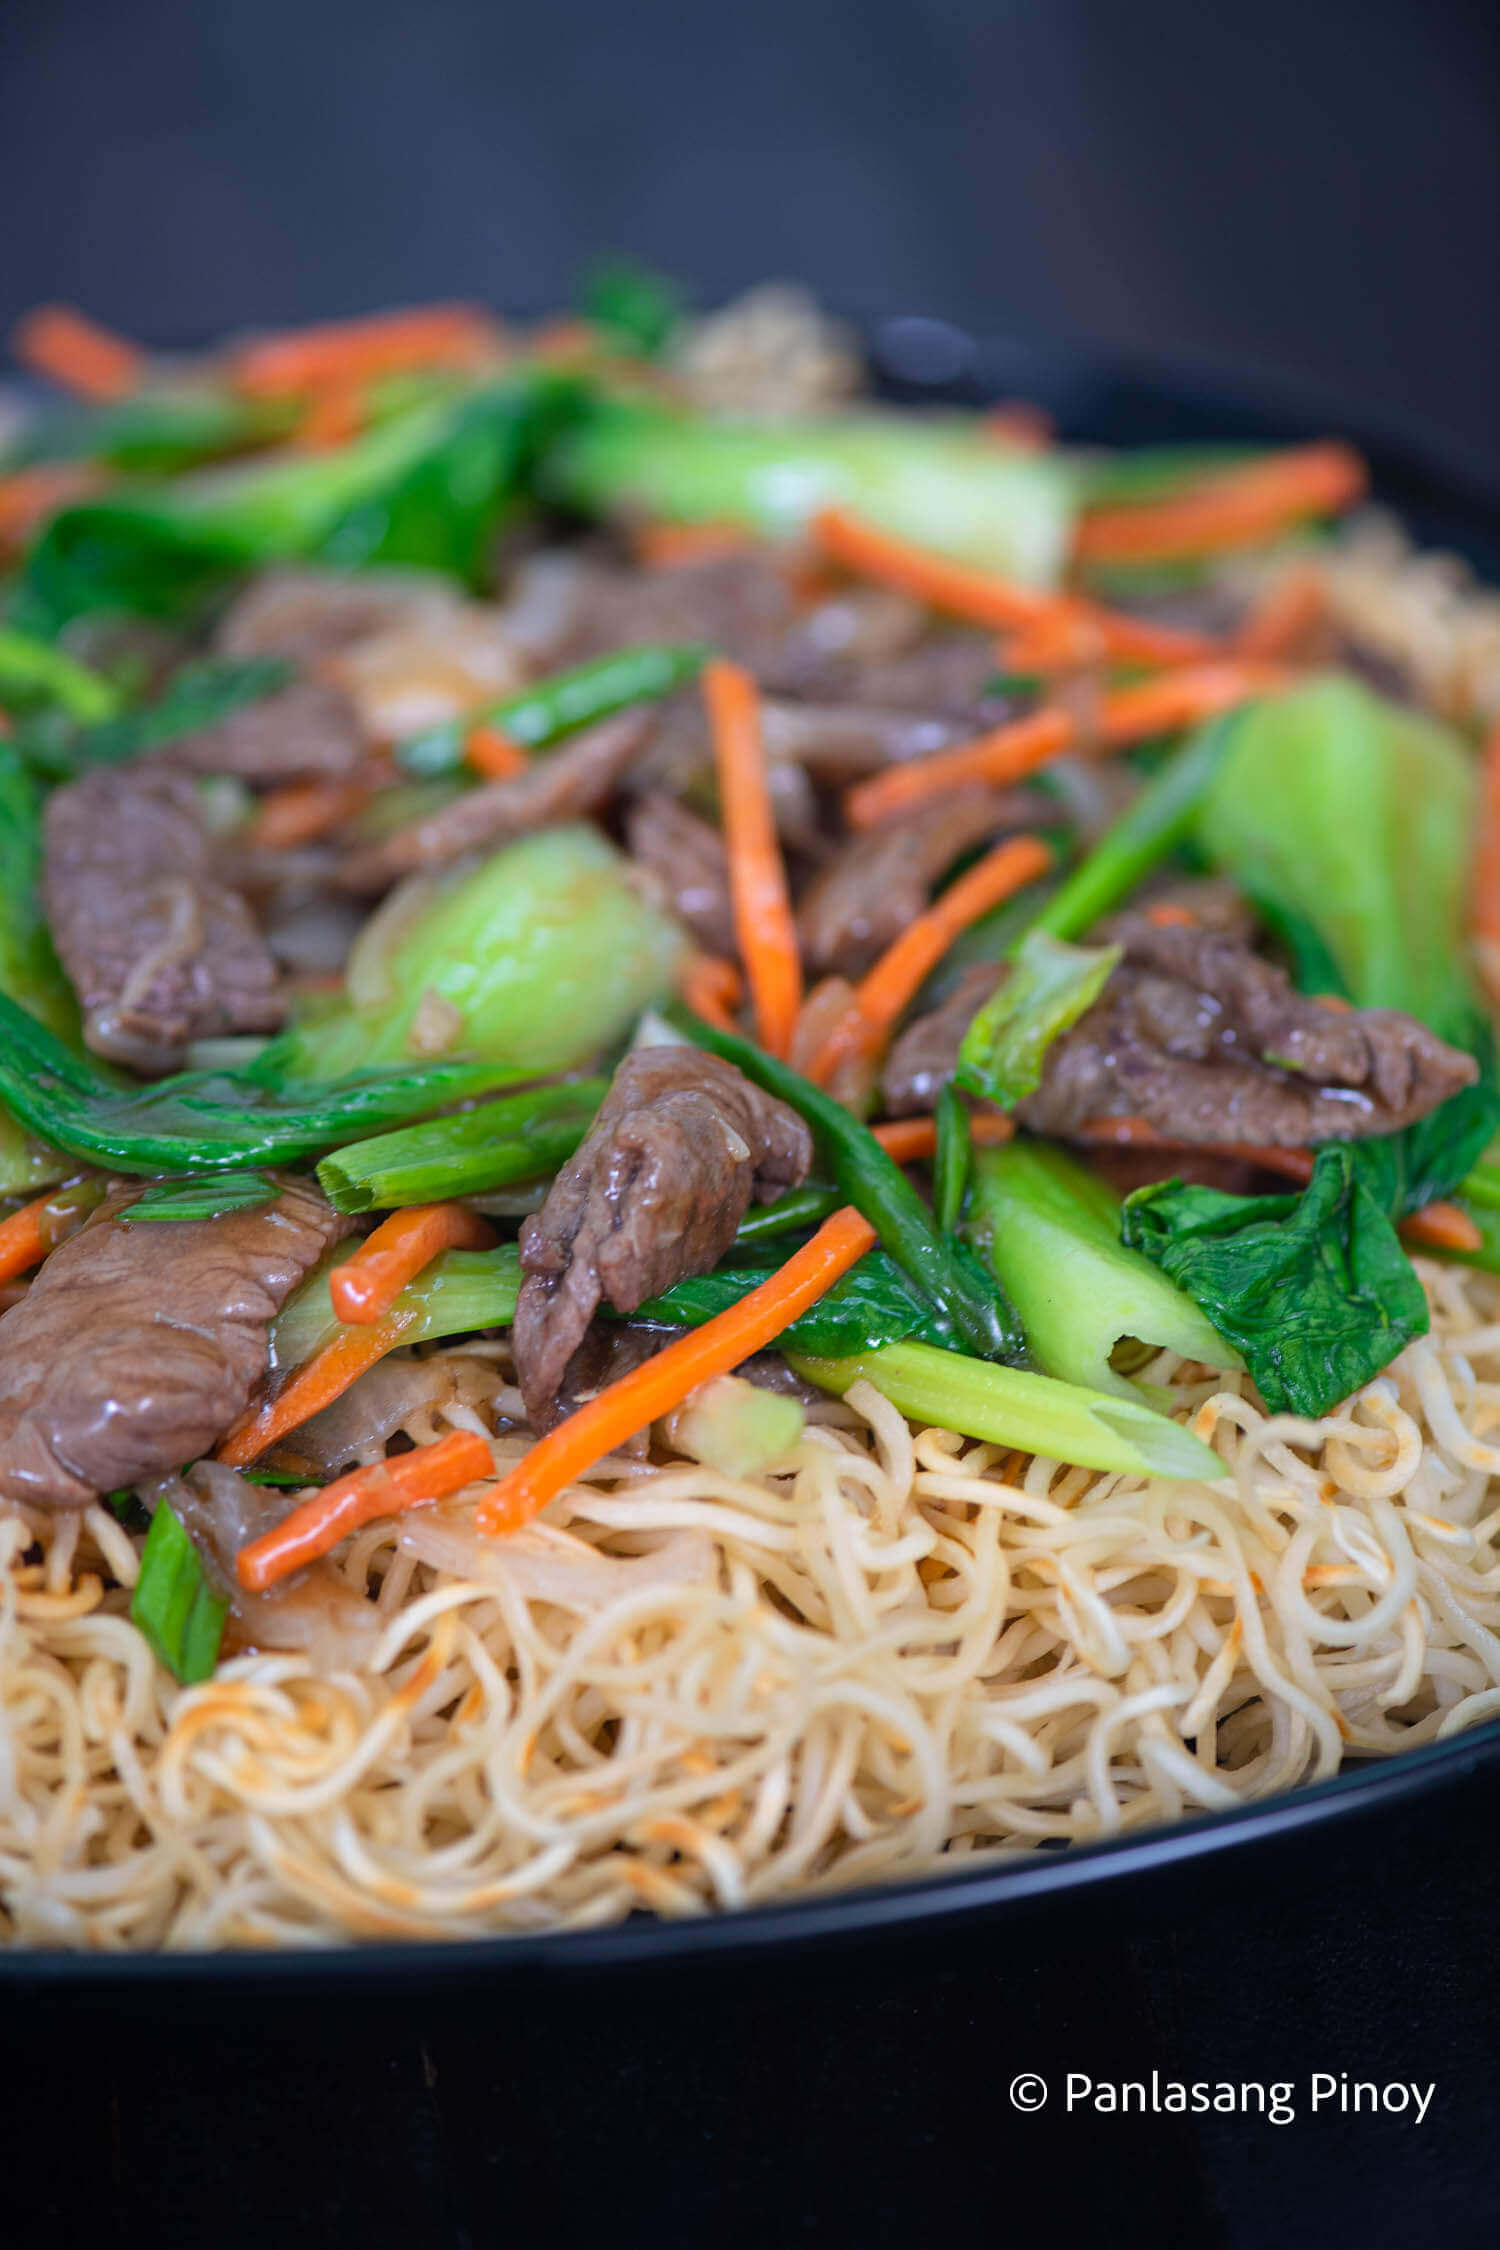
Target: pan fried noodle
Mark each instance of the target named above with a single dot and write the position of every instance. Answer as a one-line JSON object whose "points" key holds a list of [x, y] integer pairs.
{"points": [[900, 1651]]}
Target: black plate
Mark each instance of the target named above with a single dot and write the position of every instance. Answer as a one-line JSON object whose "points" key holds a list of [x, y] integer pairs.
{"points": [[1446, 501]]}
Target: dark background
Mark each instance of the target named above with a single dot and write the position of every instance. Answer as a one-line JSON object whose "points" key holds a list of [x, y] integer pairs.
{"points": [[1310, 187], [1307, 189]]}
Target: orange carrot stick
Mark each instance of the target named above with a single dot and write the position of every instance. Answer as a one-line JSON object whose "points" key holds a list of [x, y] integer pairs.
{"points": [[335, 416], [364, 1288], [314, 1385], [1234, 508], [1442, 1226], [1484, 891], [982, 599], [1007, 753], [622, 1408], [885, 992], [302, 811], [667, 546], [493, 753], [909, 1139], [353, 351], [385, 1488], [1282, 622], [30, 1234], [1124, 715], [713, 989], [76, 353], [764, 924]]}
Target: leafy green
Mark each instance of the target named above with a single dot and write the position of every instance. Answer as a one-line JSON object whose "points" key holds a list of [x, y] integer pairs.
{"points": [[33, 670], [208, 1198], [1051, 1231], [1050, 985], [1315, 1291], [952, 1159], [519, 1137], [944, 482], [198, 696], [1033, 1413], [537, 960], [174, 1605], [872, 1304], [635, 307], [30, 974]]}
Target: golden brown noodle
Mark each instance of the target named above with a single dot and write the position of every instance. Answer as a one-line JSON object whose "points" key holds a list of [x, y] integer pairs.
{"points": [[684, 1692]]}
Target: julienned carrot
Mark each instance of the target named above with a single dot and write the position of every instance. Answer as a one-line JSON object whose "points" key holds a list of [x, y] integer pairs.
{"points": [[909, 1139], [667, 546], [354, 351], [1007, 753], [713, 988], [364, 1288], [1442, 1226], [1484, 895], [385, 1488], [302, 811], [763, 921], [625, 1407], [335, 416], [490, 751], [982, 599], [1124, 715], [887, 990], [314, 1385], [71, 350], [1285, 618], [30, 1234], [1237, 507]]}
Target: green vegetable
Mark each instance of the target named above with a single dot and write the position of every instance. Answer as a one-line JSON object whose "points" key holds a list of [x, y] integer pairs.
{"points": [[30, 974], [872, 1304], [1315, 1291], [428, 486], [173, 1603], [635, 307], [208, 1121], [1356, 817], [208, 1198], [154, 433], [544, 714], [952, 1159], [1049, 987], [280, 1480], [198, 696], [736, 1427], [32, 669], [520, 1137], [1032, 1413], [944, 483], [461, 1290], [801, 1208], [965, 1305], [1161, 819], [537, 960], [1051, 1231]]}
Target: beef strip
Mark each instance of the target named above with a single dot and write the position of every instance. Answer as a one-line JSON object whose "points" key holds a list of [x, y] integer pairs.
{"points": [[655, 1193], [1208, 1044], [137, 1346], [306, 614], [159, 949], [560, 784], [306, 731], [880, 880], [686, 856]]}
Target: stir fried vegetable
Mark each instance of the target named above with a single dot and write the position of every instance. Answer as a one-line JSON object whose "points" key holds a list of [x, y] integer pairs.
{"points": [[522, 1136], [555, 708], [174, 1605], [1050, 986]]}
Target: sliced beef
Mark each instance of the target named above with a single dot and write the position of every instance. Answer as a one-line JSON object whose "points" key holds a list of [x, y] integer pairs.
{"points": [[880, 880], [137, 1346], [557, 785], [1208, 1044], [924, 1057], [306, 614], [686, 856], [306, 731], [159, 949], [655, 1193]]}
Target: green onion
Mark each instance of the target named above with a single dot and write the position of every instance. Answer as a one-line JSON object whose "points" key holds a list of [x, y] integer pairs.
{"points": [[520, 1137], [543, 714], [29, 666], [459, 1291], [208, 1198], [1031, 1413], [803, 1207], [965, 1305], [173, 1603], [951, 1162]]}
